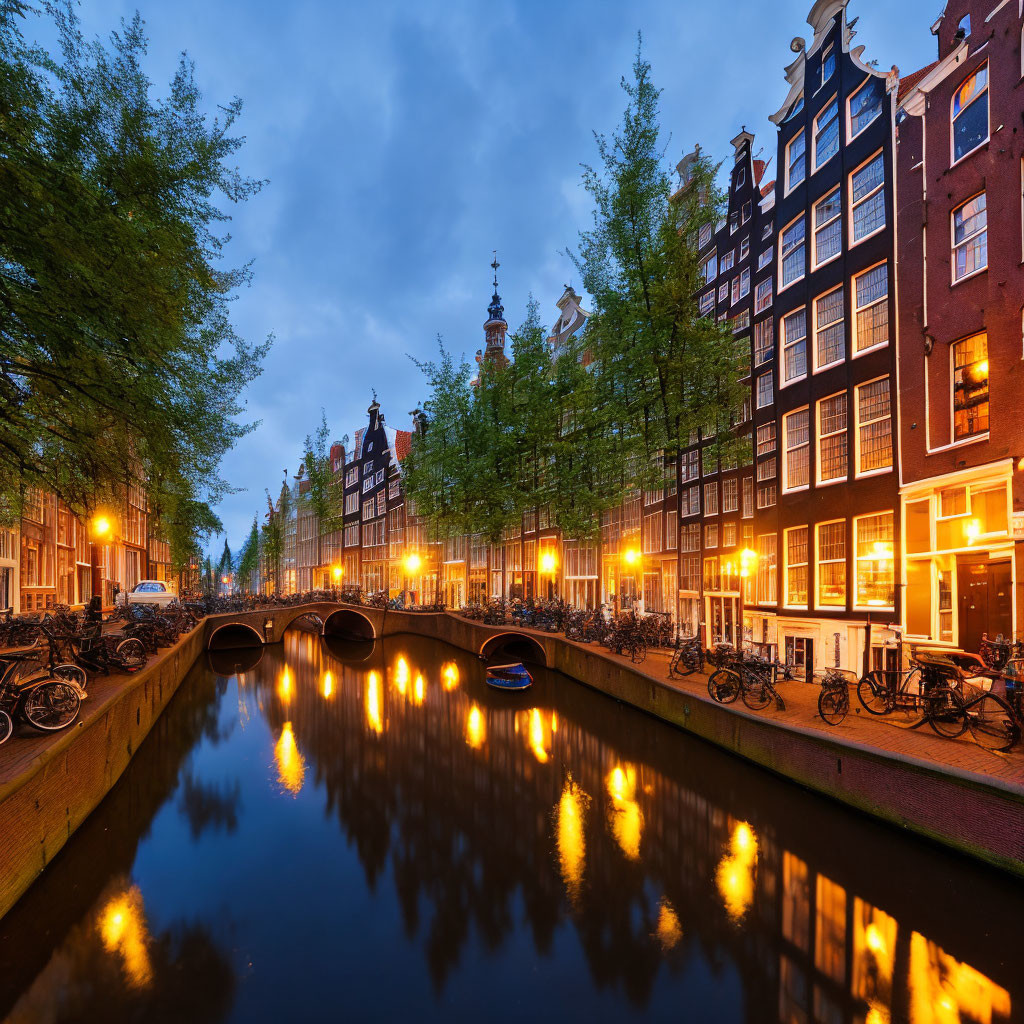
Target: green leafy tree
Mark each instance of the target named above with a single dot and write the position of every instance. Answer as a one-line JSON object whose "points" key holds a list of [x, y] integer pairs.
{"points": [[117, 355], [325, 496], [249, 557]]}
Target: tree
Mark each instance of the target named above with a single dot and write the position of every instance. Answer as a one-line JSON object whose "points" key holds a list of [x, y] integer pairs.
{"points": [[661, 370], [273, 531], [249, 557], [225, 566], [326, 494], [117, 355]]}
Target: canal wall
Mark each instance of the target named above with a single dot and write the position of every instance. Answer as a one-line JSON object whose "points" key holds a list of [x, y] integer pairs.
{"points": [[51, 790], [980, 815]]}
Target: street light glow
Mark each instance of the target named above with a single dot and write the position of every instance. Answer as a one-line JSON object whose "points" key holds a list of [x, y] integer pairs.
{"points": [[100, 526], [412, 563], [548, 562], [337, 572], [631, 556]]}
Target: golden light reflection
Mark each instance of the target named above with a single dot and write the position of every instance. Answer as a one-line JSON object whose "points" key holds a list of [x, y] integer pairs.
{"points": [[476, 729], [122, 927], [624, 814], [572, 844], [328, 684], [736, 871], [670, 931], [291, 765], [537, 738], [450, 675], [402, 675], [554, 721], [418, 689], [874, 945], [374, 714], [943, 990], [284, 686]]}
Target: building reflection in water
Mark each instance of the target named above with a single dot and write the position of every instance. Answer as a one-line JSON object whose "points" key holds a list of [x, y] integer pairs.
{"points": [[122, 927], [291, 766]]}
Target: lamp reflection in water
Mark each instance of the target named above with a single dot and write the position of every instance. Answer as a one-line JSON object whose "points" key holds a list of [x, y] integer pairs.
{"points": [[874, 951], [328, 684], [418, 689], [402, 675], [291, 765], [122, 927], [624, 814], [538, 741], [943, 990], [736, 871], [572, 844], [476, 729], [450, 675], [374, 714], [284, 686], [670, 931]]}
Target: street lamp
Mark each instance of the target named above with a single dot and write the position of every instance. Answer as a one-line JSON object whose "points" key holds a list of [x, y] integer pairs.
{"points": [[633, 557], [337, 572], [548, 566], [99, 527], [411, 564]]}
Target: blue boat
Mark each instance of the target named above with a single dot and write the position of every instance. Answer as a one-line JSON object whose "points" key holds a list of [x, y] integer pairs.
{"points": [[509, 677]]}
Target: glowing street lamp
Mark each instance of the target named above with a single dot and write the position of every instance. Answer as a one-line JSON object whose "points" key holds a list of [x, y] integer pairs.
{"points": [[99, 527], [412, 563], [631, 556]]}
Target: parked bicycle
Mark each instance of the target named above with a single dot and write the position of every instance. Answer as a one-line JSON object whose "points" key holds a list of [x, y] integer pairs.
{"points": [[30, 693]]}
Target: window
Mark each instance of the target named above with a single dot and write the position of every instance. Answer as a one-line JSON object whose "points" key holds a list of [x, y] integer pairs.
{"points": [[794, 345], [741, 176], [735, 290], [873, 545], [709, 268], [748, 497], [874, 427], [351, 503], [766, 469], [871, 308], [796, 566], [734, 222], [690, 466], [690, 539], [832, 438], [826, 132], [764, 341], [766, 231], [765, 259], [970, 114], [970, 238], [705, 235], [866, 105], [867, 199], [728, 261], [765, 387], [796, 438], [829, 329], [745, 248], [766, 589], [970, 387], [730, 495], [711, 499], [728, 536], [766, 438], [792, 253], [763, 295], [723, 291], [796, 164], [352, 476], [828, 238], [832, 564], [379, 478], [765, 495], [746, 213], [707, 302], [741, 322], [693, 501], [368, 507], [367, 483], [711, 535], [381, 503], [741, 285]]}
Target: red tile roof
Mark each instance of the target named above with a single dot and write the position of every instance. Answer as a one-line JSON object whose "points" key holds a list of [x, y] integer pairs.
{"points": [[907, 82], [765, 189], [759, 166], [403, 444]]}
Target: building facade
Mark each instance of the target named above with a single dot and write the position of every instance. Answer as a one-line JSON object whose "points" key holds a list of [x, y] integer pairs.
{"points": [[961, 291]]}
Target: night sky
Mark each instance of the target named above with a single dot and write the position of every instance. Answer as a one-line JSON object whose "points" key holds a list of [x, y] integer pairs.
{"points": [[405, 141]]}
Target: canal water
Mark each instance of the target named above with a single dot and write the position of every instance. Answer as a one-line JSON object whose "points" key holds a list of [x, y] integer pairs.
{"points": [[370, 833]]}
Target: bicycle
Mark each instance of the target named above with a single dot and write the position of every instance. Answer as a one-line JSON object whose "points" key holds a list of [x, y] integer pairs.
{"points": [[834, 697], [45, 703], [751, 679], [687, 658], [897, 693]]}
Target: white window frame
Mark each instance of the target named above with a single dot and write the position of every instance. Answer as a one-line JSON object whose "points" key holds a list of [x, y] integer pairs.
{"points": [[786, 488], [723, 291], [784, 347], [786, 566], [727, 262], [855, 309], [789, 145], [771, 390], [744, 247], [955, 245], [830, 51], [857, 472], [878, 154], [766, 257], [850, 133], [781, 256], [818, 436], [816, 227], [744, 282], [953, 159], [820, 367], [819, 561], [763, 296], [815, 165], [854, 560]]}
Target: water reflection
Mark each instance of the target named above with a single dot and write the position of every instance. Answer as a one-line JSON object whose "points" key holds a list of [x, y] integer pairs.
{"points": [[463, 829]]}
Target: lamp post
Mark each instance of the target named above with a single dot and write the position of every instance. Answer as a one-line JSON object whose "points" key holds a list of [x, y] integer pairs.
{"points": [[748, 565], [411, 563], [99, 527], [548, 567], [337, 572], [633, 557]]}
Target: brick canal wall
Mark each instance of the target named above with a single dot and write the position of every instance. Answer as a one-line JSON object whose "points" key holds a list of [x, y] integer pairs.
{"points": [[49, 796]]}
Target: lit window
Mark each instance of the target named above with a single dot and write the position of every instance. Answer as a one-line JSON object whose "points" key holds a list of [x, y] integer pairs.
{"points": [[766, 469], [792, 252], [765, 386], [796, 566], [764, 341], [832, 564], [871, 308], [828, 238], [832, 438], [873, 544], [794, 345], [874, 426], [970, 113], [796, 164], [766, 438], [765, 495], [763, 295], [796, 437], [767, 544], [829, 329], [867, 198], [866, 105], [728, 535], [970, 238], [970, 386], [826, 133]]}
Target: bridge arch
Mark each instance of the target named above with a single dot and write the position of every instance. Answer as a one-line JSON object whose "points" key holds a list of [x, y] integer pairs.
{"points": [[315, 617], [234, 634], [513, 646], [349, 624]]}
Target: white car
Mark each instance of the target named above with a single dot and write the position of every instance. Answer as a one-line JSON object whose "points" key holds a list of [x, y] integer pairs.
{"points": [[148, 592]]}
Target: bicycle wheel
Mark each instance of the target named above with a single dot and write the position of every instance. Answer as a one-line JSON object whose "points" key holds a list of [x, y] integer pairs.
{"points": [[833, 705], [131, 653], [71, 673], [6, 727], [637, 651], [874, 695], [944, 708], [724, 686], [692, 661], [992, 723], [51, 705], [756, 694]]}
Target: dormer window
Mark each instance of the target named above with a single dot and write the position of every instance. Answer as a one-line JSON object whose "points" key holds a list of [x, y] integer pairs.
{"points": [[796, 164], [828, 66], [741, 177]]}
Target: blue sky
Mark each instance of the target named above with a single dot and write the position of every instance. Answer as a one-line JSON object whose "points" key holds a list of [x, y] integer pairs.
{"points": [[405, 141]]}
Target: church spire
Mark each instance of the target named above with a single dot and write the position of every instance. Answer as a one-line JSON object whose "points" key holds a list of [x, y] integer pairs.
{"points": [[495, 327]]}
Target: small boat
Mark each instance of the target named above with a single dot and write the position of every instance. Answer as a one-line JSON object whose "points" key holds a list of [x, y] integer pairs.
{"points": [[509, 677]]}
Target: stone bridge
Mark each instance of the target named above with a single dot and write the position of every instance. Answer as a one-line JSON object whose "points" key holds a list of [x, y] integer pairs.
{"points": [[232, 630]]}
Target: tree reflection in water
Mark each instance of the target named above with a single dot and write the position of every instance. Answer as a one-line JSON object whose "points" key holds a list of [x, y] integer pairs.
{"points": [[560, 815]]}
